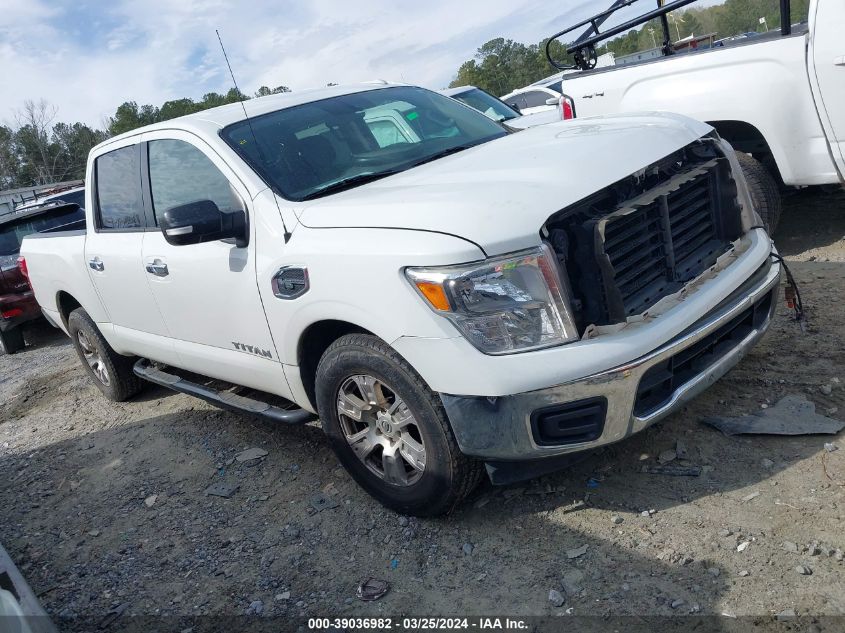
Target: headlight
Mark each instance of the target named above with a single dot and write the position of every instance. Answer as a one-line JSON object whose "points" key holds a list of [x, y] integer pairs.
{"points": [[502, 305]]}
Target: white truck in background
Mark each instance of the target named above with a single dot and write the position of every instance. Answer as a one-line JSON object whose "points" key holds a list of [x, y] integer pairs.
{"points": [[778, 97], [459, 297]]}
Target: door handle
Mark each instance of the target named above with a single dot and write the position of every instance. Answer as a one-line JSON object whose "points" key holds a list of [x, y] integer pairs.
{"points": [[157, 268], [96, 264], [839, 61]]}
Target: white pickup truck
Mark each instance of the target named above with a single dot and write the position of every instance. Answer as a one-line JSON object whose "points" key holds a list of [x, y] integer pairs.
{"points": [[778, 97], [474, 296]]}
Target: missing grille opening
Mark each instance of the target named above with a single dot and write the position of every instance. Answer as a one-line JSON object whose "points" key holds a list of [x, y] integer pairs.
{"points": [[646, 236]]}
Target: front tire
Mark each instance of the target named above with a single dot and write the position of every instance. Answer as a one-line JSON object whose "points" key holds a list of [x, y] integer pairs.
{"points": [[389, 430], [111, 372], [764, 190], [11, 341]]}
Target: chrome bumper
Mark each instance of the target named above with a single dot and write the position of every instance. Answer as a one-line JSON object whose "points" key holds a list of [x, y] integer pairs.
{"points": [[499, 429]]}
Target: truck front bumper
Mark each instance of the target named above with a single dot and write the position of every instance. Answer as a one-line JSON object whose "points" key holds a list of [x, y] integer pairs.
{"points": [[553, 423]]}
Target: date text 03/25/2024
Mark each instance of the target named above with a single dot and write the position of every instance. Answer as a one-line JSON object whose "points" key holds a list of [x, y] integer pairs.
{"points": [[418, 623]]}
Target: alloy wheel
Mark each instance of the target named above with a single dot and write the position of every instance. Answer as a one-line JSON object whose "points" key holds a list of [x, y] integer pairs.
{"points": [[93, 358], [381, 429]]}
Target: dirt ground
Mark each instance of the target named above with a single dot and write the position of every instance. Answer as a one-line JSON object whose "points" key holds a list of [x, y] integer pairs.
{"points": [[103, 505]]}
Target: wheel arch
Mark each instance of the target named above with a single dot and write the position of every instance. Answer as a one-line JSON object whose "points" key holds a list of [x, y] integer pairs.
{"points": [[66, 303], [745, 137], [313, 342]]}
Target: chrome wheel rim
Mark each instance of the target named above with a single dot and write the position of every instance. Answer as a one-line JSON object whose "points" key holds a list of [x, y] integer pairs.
{"points": [[381, 430], [93, 358]]}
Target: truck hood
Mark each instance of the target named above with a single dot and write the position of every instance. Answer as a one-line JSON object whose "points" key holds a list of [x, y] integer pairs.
{"points": [[499, 194]]}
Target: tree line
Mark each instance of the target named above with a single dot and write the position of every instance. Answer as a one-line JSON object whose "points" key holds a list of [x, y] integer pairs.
{"points": [[502, 65], [38, 150]]}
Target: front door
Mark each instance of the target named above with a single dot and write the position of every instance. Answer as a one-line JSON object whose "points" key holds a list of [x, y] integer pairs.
{"points": [[208, 292], [827, 73], [113, 255]]}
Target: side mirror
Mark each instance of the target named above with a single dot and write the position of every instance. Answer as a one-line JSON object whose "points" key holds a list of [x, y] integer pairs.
{"points": [[515, 107], [552, 101], [202, 221]]}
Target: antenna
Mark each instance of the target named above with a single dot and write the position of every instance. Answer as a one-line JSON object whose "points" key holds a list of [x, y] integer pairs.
{"points": [[249, 123]]}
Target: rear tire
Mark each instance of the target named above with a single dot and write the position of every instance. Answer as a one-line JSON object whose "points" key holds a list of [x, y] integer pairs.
{"points": [[764, 190], [11, 341], [401, 427], [110, 371]]}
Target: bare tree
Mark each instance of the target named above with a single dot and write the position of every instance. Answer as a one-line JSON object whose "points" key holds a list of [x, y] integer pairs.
{"points": [[35, 122]]}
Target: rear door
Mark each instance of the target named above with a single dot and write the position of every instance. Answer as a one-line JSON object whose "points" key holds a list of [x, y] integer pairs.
{"points": [[113, 254], [827, 72], [208, 292]]}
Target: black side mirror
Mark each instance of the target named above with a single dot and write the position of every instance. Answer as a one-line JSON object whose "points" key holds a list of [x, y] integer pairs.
{"points": [[202, 221]]}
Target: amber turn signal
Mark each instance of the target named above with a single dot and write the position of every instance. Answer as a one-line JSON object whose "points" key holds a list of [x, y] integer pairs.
{"points": [[435, 294]]}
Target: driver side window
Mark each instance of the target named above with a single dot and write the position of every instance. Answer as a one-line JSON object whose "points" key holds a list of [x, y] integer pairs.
{"points": [[180, 173]]}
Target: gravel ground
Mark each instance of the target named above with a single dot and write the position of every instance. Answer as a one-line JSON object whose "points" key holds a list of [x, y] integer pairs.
{"points": [[104, 505]]}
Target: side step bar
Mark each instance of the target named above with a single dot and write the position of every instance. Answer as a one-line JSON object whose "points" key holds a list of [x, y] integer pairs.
{"points": [[223, 399]]}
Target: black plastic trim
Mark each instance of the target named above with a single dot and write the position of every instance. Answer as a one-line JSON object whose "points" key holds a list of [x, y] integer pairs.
{"points": [[502, 473], [223, 399], [660, 382], [146, 187], [576, 422]]}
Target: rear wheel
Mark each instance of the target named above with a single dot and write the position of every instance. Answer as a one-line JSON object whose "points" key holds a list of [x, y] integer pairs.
{"points": [[389, 429], [764, 190], [11, 340], [112, 372]]}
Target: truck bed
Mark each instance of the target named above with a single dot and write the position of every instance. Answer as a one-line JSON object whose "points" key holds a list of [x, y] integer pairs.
{"points": [[56, 263], [799, 30], [761, 83]]}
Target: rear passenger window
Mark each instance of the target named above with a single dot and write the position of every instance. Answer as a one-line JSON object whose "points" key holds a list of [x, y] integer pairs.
{"points": [[119, 189], [536, 98], [517, 100], [180, 173]]}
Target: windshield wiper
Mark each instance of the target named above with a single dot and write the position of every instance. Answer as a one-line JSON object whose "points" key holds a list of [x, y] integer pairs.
{"points": [[349, 183], [362, 179], [443, 153]]}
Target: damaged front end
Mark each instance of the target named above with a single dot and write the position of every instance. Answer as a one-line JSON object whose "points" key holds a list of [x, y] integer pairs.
{"points": [[636, 244], [681, 228]]}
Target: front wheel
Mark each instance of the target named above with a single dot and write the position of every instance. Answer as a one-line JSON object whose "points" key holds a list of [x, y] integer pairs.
{"points": [[763, 189], [111, 372], [389, 429]]}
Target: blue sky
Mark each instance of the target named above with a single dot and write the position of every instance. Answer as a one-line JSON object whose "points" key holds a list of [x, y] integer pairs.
{"points": [[89, 56]]}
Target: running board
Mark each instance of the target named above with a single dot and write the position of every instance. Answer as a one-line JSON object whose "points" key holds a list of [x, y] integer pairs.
{"points": [[223, 399]]}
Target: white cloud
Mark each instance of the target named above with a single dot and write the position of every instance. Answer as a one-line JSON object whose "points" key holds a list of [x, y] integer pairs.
{"points": [[88, 57]]}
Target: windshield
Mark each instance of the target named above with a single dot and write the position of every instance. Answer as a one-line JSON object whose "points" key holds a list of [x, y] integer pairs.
{"points": [[487, 104], [12, 234], [71, 197], [322, 147]]}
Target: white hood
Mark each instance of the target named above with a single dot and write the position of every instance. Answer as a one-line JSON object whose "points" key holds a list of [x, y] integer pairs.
{"points": [[500, 194]]}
